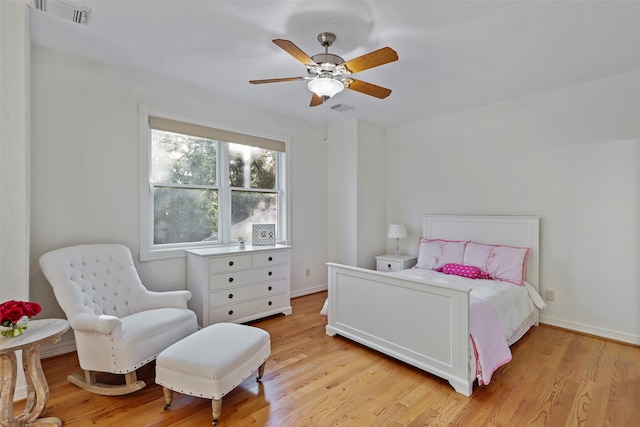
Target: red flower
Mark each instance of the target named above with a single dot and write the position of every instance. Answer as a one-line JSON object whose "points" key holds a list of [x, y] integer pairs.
{"points": [[12, 311], [32, 308], [13, 314]]}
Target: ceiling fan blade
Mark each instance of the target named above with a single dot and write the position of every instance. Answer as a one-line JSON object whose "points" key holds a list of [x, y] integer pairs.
{"points": [[284, 79], [369, 89], [372, 59], [294, 51], [316, 100]]}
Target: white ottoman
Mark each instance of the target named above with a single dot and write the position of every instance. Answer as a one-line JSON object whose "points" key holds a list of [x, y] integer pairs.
{"points": [[212, 362]]}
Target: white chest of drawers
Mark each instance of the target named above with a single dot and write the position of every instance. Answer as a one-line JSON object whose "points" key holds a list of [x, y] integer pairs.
{"points": [[238, 285]]}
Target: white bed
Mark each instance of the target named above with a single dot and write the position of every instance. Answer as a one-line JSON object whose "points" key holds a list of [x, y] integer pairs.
{"points": [[422, 317]]}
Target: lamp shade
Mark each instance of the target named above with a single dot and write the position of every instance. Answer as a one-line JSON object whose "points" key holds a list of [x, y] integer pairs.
{"points": [[397, 231], [325, 86]]}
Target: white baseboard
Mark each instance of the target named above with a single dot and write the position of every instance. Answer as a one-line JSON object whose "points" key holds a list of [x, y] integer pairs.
{"points": [[591, 330], [307, 291], [47, 350], [57, 350]]}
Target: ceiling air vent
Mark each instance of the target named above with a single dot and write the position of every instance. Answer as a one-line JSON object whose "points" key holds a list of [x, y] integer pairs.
{"points": [[63, 9], [341, 108]]}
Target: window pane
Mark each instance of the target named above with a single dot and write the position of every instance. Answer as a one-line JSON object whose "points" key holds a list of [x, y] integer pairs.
{"points": [[184, 215], [182, 159], [252, 207], [251, 167]]}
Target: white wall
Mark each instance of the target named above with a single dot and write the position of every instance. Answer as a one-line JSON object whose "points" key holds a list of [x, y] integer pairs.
{"points": [[357, 193], [343, 190], [85, 166], [571, 156], [14, 159], [372, 193]]}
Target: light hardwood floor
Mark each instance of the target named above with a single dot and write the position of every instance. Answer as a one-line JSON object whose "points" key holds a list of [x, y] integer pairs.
{"points": [[556, 378]]}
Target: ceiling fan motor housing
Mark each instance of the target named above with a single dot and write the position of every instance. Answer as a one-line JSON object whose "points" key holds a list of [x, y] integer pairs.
{"points": [[326, 39]]}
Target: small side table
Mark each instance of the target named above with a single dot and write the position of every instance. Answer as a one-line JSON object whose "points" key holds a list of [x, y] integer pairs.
{"points": [[38, 332], [390, 262]]}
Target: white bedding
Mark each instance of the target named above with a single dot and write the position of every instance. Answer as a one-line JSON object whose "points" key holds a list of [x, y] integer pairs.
{"points": [[515, 305]]}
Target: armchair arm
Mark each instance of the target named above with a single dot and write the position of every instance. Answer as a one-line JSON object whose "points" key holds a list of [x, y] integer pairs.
{"points": [[176, 299], [101, 324]]}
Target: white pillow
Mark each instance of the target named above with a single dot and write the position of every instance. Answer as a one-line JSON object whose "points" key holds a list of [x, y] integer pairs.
{"points": [[500, 262], [434, 254]]}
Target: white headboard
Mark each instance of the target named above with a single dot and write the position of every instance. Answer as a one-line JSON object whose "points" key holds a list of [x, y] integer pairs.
{"points": [[522, 231]]}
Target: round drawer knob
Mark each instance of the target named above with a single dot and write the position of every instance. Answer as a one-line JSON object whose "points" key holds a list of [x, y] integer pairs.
{"points": [[389, 265], [230, 296], [230, 312], [230, 263], [270, 287], [270, 303], [270, 273], [270, 258], [230, 279]]}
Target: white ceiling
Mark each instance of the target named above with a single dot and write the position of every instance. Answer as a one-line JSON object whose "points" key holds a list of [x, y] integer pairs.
{"points": [[453, 55]]}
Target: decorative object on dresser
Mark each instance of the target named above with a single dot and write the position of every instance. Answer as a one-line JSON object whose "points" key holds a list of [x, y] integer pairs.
{"points": [[393, 262], [397, 231], [264, 234], [118, 324], [232, 285]]}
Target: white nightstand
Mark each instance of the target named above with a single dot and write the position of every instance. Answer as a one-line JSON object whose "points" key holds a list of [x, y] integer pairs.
{"points": [[390, 262]]}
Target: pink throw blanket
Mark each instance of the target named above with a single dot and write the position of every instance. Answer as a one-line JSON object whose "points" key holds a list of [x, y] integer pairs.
{"points": [[489, 345]]}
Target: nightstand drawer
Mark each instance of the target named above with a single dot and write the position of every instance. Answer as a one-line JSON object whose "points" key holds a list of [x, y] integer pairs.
{"points": [[384, 265], [393, 263]]}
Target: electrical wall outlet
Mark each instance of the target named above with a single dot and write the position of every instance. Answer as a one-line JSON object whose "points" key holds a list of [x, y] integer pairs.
{"points": [[307, 272], [550, 295]]}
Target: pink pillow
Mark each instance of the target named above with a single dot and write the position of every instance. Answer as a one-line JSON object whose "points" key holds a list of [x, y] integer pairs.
{"points": [[499, 262], [469, 271], [434, 254]]}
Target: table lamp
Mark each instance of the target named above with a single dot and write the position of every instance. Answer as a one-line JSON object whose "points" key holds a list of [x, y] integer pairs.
{"points": [[397, 231]]}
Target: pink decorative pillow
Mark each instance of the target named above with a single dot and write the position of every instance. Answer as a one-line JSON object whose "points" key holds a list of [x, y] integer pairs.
{"points": [[469, 271], [499, 262], [434, 254]]}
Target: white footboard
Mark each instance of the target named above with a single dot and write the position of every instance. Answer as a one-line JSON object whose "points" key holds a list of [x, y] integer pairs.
{"points": [[424, 325]]}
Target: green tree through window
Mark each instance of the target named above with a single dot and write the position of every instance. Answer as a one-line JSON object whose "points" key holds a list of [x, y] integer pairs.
{"points": [[186, 188], [185, 197]]}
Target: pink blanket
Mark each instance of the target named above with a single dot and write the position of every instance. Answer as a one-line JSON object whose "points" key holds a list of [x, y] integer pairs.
{"points": [[489, 345]]}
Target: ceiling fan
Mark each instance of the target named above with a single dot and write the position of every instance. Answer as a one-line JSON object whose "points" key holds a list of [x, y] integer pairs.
{"points": [[329, 74]]}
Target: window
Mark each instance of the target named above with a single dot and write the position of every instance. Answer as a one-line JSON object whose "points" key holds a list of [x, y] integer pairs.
{"points": [[202, 186]]}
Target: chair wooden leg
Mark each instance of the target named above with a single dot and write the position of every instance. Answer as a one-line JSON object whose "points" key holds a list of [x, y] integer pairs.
{"points": [[216, 409], [88, 382], [168, 397], [261, 370]]}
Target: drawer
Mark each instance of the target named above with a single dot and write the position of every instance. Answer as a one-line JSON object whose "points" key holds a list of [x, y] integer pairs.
{"points": [[245, 277], [248, 308], [384, 265], [243, 293], [264, 259], [230, 263]]}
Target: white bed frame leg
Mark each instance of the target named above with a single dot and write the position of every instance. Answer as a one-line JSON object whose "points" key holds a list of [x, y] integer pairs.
{"points": [[462, 387]]}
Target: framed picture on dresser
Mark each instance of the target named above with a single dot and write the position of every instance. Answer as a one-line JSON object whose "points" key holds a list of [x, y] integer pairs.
{"points": [[264, 234]]}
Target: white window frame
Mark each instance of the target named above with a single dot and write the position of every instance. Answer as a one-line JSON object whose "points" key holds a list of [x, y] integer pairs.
{"points": [[150, 251]]}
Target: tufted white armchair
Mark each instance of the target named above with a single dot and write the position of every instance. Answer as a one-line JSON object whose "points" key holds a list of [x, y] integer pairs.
{"points": [[118, 324]]}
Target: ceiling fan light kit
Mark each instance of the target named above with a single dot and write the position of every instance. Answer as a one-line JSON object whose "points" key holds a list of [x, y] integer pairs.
{"points": [[329, 74], [325, 86]]}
